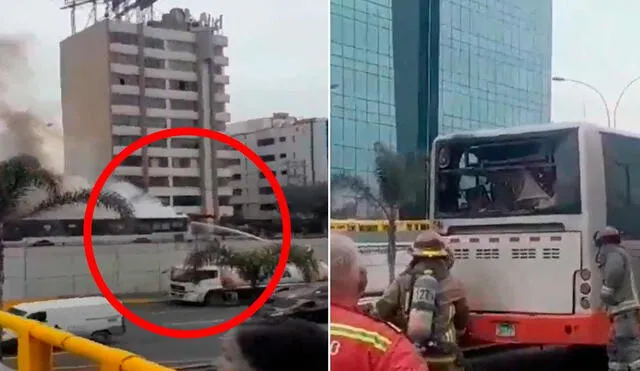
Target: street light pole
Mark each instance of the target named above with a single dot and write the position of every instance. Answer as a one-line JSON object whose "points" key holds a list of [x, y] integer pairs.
{"points": [[602, 98], [624, 90]]}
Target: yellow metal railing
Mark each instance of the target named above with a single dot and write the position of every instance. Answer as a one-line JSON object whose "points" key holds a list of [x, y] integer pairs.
{"points": [[354, 225], [37, 341]]}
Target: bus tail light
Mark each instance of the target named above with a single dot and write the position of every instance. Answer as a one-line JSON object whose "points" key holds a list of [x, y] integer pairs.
{"points": [[585, 274], [584, 303], [585, 289]]}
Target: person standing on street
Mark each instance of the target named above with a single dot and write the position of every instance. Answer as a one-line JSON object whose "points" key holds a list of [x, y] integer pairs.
{"points": [[428, 303], [620, 296], [358, 341]]}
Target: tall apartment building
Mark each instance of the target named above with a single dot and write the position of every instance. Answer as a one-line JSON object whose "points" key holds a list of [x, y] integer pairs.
{"points": [[296, 150], [122, 80]]}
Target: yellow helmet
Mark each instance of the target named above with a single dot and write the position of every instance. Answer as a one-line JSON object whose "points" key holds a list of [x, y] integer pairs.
{"points": [[429, 244]]}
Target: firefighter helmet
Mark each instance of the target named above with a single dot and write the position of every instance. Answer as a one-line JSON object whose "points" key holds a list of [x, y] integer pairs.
{"points": [[608, 235], [429, 244]]}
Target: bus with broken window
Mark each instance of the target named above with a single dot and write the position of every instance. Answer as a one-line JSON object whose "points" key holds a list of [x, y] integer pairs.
{"points": [[519, 208]]}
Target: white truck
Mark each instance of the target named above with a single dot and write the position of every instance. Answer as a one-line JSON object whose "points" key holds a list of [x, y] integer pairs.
{"points": [[212, 285]]}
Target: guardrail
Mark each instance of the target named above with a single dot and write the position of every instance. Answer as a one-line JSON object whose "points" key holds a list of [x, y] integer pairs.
{"points": [[37, 341], [355, 225]]}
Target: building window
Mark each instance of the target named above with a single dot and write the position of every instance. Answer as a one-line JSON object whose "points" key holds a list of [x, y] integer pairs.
{"points": [[153, 62], [183, 85], [158, 162], [181, 46], [265, 190], [153, 43], [182, 66], [125, 100], [268, 158], [283, 155], [132, 161], [131, 59], [283, 139], [125, 120], [166, 200], [156, 102], [265, 142], [159, 144], [187, 201], [267, 207], [236, 177], [184, 162], [122, 79], [180, 104], [237, 192], [185, 143], [137, 181], [155, 122], [158, 181], [153, 83], [123, 38], [183, 123], [124, 140], [186, 181]]}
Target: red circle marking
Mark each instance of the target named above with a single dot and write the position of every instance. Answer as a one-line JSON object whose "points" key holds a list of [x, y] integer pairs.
{"points": [[88, 233]]}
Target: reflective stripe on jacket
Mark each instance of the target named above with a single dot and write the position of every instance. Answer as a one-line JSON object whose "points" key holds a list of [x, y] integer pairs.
{"points": [[359, 342]]}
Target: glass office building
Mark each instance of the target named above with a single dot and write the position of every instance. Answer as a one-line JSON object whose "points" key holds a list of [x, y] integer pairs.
{"points": [[478, 64], [362, 84], [457, 65]]}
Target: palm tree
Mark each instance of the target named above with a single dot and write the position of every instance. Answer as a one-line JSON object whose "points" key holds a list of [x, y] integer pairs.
{"points": [[400, 178], [253, 265], [23, 174]]}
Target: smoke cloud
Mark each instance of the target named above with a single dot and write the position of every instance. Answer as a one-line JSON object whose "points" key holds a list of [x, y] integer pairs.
{"points": [[25, 130]]}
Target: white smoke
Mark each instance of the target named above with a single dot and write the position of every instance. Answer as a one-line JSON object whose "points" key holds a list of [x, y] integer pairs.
{"points": [[26, 130]]}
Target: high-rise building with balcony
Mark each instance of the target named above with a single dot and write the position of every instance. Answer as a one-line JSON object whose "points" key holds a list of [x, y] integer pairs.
{"points": [[405, 71], [123, 80]]}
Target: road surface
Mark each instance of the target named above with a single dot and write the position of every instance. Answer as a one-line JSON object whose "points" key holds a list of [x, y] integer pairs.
{"points": [[171, 352]]}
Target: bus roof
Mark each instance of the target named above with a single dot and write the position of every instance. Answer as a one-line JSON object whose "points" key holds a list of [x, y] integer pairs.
{"points": [[62, 303], [484, 133]]}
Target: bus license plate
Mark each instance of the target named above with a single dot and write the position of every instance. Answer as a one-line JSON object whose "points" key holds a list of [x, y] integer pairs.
{"points": [[506, 330]]}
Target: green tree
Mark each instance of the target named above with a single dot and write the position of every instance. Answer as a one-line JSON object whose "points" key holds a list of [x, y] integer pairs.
{"points": [[399, 179], [23, 174], [308, 201], [253, 265]]}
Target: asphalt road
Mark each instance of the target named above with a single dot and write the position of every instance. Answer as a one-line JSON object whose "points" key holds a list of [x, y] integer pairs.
{"points": [[167, 351]]}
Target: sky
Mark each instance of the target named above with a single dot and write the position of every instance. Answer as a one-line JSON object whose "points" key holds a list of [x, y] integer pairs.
{"points": [[596, 42], [278, 52]]}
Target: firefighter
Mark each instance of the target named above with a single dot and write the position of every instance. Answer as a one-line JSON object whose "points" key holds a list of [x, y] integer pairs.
{"points": [[619, 294], [411, 295], [358, 341]]}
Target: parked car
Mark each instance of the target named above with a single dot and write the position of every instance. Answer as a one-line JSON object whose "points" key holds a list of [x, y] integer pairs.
{"points": [[309, 302]]}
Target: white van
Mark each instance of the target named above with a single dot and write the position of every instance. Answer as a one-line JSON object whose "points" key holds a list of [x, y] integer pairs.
{"points": [[90, 317]]}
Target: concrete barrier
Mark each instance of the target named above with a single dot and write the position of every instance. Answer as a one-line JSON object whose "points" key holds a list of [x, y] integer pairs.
{"points": [[33, 273]]}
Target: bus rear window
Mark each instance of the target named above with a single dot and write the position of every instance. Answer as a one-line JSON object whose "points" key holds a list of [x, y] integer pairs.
{"points": [[522, 174]]}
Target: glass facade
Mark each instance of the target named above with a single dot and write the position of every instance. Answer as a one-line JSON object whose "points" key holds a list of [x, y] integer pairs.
{"points": [[362, 85], [421, 68], [495, 64]]}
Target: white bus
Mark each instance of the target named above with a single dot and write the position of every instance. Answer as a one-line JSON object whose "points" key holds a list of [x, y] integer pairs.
{"points": [[519, 208]]}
